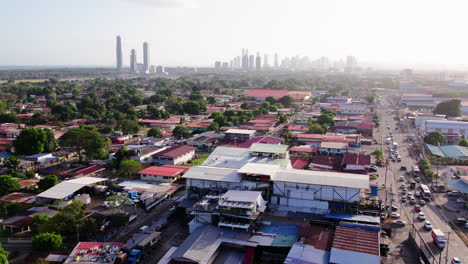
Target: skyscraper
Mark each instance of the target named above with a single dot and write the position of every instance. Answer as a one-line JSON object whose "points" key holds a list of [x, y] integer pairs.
{"points": [[276, 60], [133, 61], [251, 63], [146, 61], [265, 61], [258, 62], [118, 50], [245, 59]]}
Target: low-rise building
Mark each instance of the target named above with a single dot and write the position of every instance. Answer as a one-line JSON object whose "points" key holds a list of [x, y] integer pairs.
{"points": [[356, 162], [239, 134], [333, 148], [161, 174], [447, 127], [175, 155]]}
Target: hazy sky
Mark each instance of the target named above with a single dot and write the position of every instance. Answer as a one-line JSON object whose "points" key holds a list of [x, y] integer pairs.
{"points": [[198, 32]]}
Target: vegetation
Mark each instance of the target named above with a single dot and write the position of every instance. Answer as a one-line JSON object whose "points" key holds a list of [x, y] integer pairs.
{"points": [[378, 153], [155, 132], [180, 132], [198, 161], [66, 221], [47, 182], [11, 162], [449, 108], [128, 168], [84, 140], [3, 255], [463, 142], [434, 138], [47, 242], [8, 185], [32, 141], [427, 169]]}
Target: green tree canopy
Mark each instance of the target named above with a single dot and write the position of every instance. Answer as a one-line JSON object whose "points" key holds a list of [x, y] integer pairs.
{"points": [[32, 141], [281, 118], [3, 255], [12, 162], [315, 128], [84, 140], [39, 220], [463, 142], [129, 126], [435, 138], [47, 242], [66, 220], [326, 119], [378, 153], [449, 108], [47, 182], [8, 185], [191, 108], [180, 132], [155, 132], [213, 126], [128, 168], [286, 101], [245, 105]]}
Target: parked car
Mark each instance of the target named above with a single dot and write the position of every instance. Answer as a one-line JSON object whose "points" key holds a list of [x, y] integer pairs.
{"points": [[417, 194], [394, 208], [410, 195], [403, 199], [421, 216], [402, 186], [373, 176], [403, 168], [422, 202], [404, 192], [456, 260], [453, 193], [427, 225], [402, 178], [395, 215], [417, 179]]}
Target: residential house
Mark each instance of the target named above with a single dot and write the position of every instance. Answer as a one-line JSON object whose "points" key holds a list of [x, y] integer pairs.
{"points": [[356, 162], [175, 155], [161, 174], [333, 148]]}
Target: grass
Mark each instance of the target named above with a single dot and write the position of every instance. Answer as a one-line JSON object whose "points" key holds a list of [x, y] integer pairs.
{"points": [[197, 162]]}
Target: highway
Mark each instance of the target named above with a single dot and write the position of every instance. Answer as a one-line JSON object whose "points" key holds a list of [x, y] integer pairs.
{"points": [[456, 247]]}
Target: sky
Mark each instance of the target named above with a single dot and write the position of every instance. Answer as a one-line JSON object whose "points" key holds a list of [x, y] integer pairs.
{"points": [[402, 33]]}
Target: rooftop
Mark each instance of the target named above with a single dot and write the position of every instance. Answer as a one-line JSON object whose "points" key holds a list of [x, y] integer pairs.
{"points": [[356, 159], [241, 196], [241, 131], [339, 179], [66, 188], [269, 148], [162, 171], [175, 151], [94, 252], [353, 245]]}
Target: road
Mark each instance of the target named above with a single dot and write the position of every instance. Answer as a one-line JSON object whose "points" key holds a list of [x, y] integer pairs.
{"points": [[456, 247]]}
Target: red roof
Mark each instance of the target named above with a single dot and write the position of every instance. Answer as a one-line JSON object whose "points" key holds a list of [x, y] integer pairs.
{"points": [[298, 163], [175, 151], [184, 168], [162, 171], [356, 240], [326, 160], [356, 159], [307, 149], [316, 236], [90, 170]]}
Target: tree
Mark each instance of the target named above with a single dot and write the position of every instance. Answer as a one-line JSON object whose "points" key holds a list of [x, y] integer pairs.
{"points": [[47, 242], [191, 108], [245, 105], [129, 126], [326, 119], [378, 153], [128, 168], [8, 185], [155, 132], [213, 126], [180, 132], [281, 118], [271, 100], [32, 141], [66, 220], [84, 140], [41, 261], [316, 129], [39, 220], [371, 98], [3, 255], [211, 100], [434, 138], [12, 162], [286, 101], [463, 142], [47, 182], [449, 108]]}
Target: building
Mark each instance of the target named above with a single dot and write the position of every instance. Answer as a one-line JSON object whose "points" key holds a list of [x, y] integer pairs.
{"points": [[451, 151], [447, 127], [146, 60], [238, 134], [356, 162], [265, 61], [313, 246], [417, 101], [160, 69], [276, 61], [133, 61], [352, 109], [118, 50], [420, 120], [175, 155], [161, 174], [258, 62], [251, 62], [333, 148], [217, 66], [95, 252]]}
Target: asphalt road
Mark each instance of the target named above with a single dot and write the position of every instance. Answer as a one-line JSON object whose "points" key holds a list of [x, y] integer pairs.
{"points": [[456, 247]]}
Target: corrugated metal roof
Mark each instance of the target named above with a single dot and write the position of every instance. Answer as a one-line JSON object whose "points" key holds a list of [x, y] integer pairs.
{"points": [[323, 178], [241, 196], [269, 148], [240, 131], [259, 169], [352, 245], [305, 254], [213, 174], [67, 188]]}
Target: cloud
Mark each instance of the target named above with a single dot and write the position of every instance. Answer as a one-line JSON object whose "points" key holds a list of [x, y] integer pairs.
{"points": [[166, 3]]}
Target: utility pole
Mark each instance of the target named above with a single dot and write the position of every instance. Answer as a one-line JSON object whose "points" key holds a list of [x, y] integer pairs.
{"points": [[448, 243]]}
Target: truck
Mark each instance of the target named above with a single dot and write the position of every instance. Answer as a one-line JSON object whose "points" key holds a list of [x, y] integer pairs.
{"points": [[147, 244], [438, 237], [134, 256]]}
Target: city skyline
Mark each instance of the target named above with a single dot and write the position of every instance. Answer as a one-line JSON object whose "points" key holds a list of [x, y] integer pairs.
{"points": [[370, 33]]}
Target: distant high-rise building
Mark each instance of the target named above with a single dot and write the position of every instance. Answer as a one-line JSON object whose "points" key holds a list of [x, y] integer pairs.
{"points": [[217, 65], [245, 59], [276, 60], [251, 62], [225, 66], [133, 61], [159, 69], [119, 53], [258, 62], [146, 62], [351, 64], [265, 61]]}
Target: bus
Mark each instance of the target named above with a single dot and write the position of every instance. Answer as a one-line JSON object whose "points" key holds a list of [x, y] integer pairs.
{"points": [[415, 171], [425, 192]]}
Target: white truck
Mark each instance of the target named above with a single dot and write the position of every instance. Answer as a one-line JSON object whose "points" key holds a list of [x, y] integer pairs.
{"points": [[438, 237]]}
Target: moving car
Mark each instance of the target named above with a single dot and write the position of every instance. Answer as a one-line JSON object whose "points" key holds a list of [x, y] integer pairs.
{"points": [[456, 260], [417, 208], [402, 178], [399, 222], [403, 168], [395, 215], [422, 216], [394, 208], [422, 202], [403, 199], [427, 225]]}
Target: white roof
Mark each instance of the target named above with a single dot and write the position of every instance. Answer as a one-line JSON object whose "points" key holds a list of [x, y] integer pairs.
{"points": [[447, 122], [241, 196], [213, 174], [67, 188], [269, 148], [346, 256], [335, 145], [306, 254], [339, 179], [258, 168], [240, 131]]}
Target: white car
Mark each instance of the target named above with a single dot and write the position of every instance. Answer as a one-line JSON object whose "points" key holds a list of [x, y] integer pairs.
{"points": [[403, 186], [422, 216], [399, 222], [410, 195], [456, 260], [402, 178], [422, 202], [428, 225], [395, 215], [412, 200]]}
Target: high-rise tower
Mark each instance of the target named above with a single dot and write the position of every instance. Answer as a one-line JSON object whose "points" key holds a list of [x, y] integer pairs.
{"points": [[133, 61], [146, 62], [258, 62], [251, 62], [118, 50], [276, 60]]}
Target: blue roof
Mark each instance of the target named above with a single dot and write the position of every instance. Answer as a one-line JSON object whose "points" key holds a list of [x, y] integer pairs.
{"points": [[452, 151], [435, 150], [459, 185], [5, 154]]}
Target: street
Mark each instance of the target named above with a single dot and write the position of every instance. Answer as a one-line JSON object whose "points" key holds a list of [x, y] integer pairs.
{"points": [[455, 246]]}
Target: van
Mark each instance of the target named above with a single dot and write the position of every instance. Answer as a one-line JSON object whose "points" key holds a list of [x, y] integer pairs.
{"points": [[398, 158]]}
